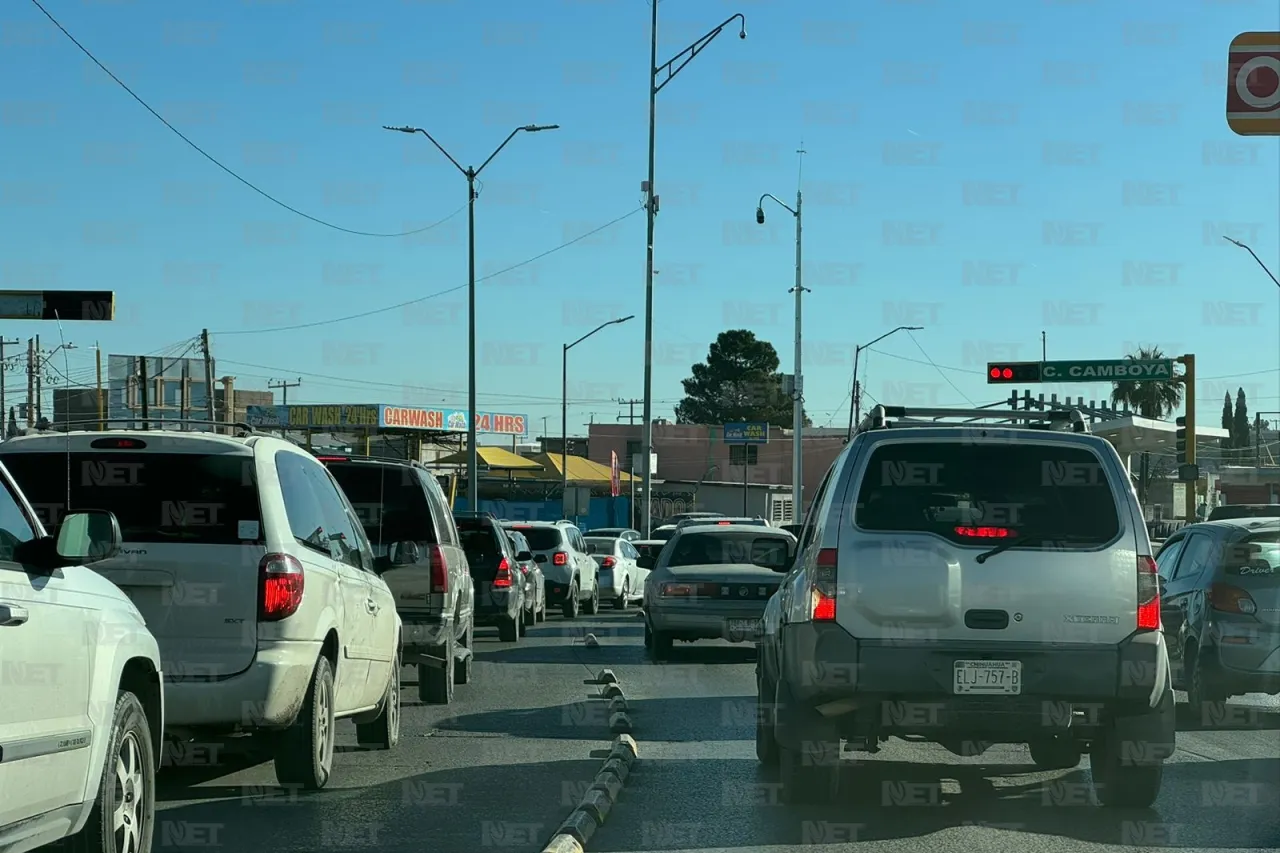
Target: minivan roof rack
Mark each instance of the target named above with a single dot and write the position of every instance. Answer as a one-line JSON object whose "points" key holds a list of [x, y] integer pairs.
{"points": [[885, 417], [104, 425], [336, 455]]}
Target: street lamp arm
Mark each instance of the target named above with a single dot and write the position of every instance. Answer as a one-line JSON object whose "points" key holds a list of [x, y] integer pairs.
{"points": [[686, 56], [568, 347], [510, 137], [779, 201], [433, 142], [887, 334], [1255, 257]]}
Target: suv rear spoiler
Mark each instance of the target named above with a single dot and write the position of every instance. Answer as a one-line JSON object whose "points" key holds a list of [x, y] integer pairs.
{"points": [[1055, 419]]}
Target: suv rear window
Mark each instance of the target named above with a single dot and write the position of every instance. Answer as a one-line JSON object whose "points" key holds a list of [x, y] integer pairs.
{"points": [[190, 498], [543, 538], [738, 547], [1056, 491], [1244, 511], [390, 501], [482, 546]]}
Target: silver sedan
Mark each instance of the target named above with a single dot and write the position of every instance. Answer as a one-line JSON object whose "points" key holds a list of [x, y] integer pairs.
{"points": [[712, 582]]}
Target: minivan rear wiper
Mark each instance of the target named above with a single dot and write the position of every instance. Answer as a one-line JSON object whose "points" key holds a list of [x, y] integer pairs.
{"points": [[1027, 539]]}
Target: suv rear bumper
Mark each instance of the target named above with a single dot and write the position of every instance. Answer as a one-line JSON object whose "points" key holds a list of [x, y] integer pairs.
{"points": [[421, 632], [268, 694], [833, 681]]}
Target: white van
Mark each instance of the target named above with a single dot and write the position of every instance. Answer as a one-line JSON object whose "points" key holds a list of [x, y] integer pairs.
{"points": [[253, 573]]}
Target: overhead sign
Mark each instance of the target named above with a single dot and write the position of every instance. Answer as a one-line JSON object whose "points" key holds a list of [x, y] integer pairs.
{"points": [[362, 416], [383, 416], [1253, 84], [1106, 370], [450, 420], [89, 305], [747, 432]]}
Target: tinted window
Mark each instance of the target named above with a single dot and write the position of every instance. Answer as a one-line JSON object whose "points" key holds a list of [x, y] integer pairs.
{"points": [[603, 544], [482, 545], [1055, 491], [1168, 557], [629, 551], [705, 549], [157, 497], [301, 503], [14, 527], [542, 538], [605, 532], [341, 523], [390, 502], [664, 535], [1244, 511], [651, 551], [1195, 556]]}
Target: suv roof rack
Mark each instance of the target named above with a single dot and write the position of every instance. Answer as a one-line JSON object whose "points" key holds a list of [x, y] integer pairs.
{"points": [[337, 456], [1053, 419], [104, 425]]}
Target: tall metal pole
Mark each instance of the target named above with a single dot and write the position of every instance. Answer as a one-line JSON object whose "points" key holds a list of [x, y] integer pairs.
{"points": [[797, 391], [210, 402], [647, 427], [855, 395], [473, 452], [564, 425], [97, 358], [4, 373]]}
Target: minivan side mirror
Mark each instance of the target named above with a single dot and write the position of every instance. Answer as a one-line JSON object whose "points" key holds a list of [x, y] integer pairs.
{"points": [[88, 536], [524, 557]]}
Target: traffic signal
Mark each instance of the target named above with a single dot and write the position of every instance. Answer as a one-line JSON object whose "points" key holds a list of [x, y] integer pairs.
{"points": [[1013, 371], [1180, 441]]}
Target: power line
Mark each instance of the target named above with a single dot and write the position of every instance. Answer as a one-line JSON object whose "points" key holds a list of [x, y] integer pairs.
{"points": [[934, 365], [435, 295], [217, 162]]}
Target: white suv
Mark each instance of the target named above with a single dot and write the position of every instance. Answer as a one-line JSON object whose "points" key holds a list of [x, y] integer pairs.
{"points": [[81, 704], [254, 574], [572, 577]]}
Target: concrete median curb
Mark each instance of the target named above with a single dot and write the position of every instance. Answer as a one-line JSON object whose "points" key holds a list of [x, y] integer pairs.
{"points": [[598, 801]]}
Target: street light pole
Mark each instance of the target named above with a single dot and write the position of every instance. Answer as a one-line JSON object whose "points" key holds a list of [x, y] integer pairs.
{"points": [[684, 57], [564, 403], [797, 390], [470, 173], [855, 403], [1255, 257]]}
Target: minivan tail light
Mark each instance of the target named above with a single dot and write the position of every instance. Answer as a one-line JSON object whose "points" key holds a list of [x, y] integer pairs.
{"points": [[1148, 595], [503, 578], [560, 558], [439, 571], [823, 586], [609, 563], [1231, 599], [280, 584]]}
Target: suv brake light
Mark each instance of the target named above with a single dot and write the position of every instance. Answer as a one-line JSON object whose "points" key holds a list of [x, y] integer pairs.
{"points": [[986, 532], [439, 571], [503, 577], [609, 563], [823, 587], [560, 558], [280, 584], [1148, 595], [1231, 599]]}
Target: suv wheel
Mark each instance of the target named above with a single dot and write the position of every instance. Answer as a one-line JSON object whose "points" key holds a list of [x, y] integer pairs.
{"points": [[811, 776], [592, 607], [621, 602], [462, 668], [530, 616], [1057, 753], [304, 752], [570, 606], [435, 684], [509, 629], [384, 732], [123, 816], [661, 644], [766, 744], [1122, 785]]}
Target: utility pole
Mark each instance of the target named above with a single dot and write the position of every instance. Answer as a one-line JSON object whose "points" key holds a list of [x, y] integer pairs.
{"points": [[631, 410], [31, 382], [1044, 347], [144, 390], [39, 383], [284, 386], [208, 379], [4, 372], [98, 360]]}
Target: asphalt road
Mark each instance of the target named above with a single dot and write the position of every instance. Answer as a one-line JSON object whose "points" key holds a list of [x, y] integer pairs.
{"points": [[499, 768], [698, 786]]}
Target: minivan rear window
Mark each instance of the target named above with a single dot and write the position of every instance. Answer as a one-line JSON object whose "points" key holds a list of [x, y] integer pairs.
{"points": [[190, 498], [981, 493], [542, 538], [390, 501]]}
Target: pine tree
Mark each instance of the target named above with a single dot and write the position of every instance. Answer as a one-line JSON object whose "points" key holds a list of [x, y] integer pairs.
{"points": [[1240, 425], [1228, 423]]}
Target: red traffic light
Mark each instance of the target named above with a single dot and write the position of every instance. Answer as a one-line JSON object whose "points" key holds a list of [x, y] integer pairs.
{"points": [[1015, 371]]}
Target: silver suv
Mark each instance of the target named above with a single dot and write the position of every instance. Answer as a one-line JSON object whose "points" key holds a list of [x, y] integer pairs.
{"points": [[564, 556], [970, 586]]}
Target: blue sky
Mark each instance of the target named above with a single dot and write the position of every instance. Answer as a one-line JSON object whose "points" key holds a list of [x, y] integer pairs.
{"points": [[987, 172]]}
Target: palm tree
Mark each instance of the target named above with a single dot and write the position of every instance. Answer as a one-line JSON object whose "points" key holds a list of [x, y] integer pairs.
{"points": [[1152, 398]]}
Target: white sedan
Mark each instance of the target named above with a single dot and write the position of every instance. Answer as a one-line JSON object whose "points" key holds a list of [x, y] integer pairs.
{"points": [[620, 578]]}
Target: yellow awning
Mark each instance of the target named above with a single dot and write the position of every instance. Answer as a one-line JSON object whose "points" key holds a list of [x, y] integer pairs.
{"points": [[581, 470], [493, 458]]}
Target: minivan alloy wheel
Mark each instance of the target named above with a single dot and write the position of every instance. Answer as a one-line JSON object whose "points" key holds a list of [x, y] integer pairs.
{"points": [[324, 724], [129, 781]]}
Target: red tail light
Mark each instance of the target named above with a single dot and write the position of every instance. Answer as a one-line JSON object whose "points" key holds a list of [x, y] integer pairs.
{"points": [[689, 590], [439, 571], [503, 577], [823, 587], [560, 558], [609, 563], [280, 583], [985, 532], [1231, 599], [1148, 595]]}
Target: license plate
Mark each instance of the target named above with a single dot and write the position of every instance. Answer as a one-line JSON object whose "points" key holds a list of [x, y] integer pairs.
{"points": [[993, 677], [744, 626]]}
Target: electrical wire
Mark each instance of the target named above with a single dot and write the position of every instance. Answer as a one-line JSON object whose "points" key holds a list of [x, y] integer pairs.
{"points": [[217, 162], [934, 365], [437, 294]]}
